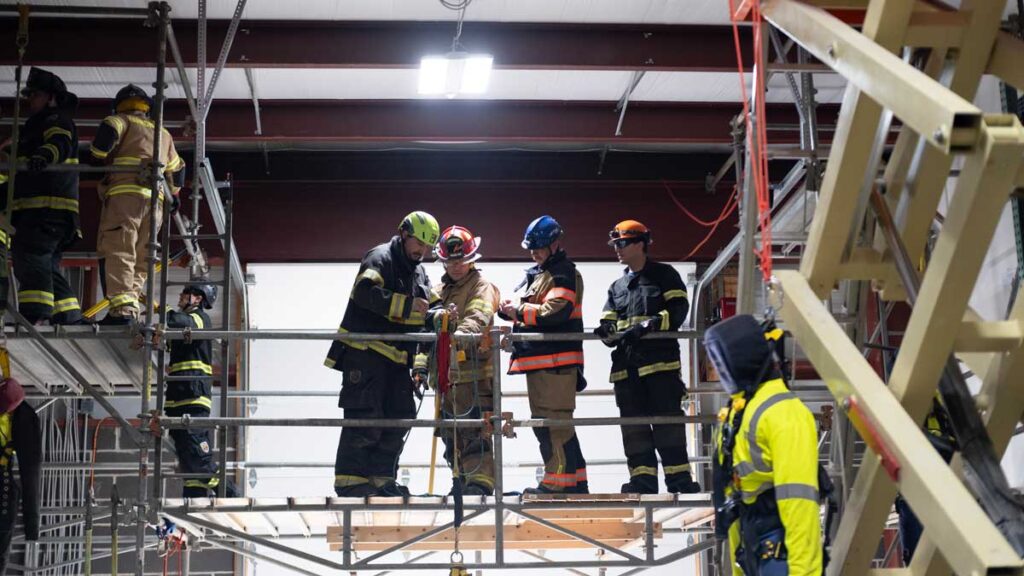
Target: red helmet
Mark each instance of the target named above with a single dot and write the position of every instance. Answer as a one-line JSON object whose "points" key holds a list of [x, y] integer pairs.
{"points": [[457, 243]]}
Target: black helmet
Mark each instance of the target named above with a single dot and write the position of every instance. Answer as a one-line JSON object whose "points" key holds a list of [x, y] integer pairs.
{"points": [[132, 91], [740, 351], [207, 291], [42, 81]]}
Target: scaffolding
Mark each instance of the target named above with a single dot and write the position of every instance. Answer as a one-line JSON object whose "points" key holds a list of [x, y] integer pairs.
{"points": [[835, 247]]}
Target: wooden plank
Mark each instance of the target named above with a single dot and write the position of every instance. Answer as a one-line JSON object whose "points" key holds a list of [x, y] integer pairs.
{"points": [[585, 514], [526, 535]]}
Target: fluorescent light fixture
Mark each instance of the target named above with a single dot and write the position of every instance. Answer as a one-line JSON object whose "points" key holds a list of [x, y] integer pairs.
{"points": [[455, 73]]}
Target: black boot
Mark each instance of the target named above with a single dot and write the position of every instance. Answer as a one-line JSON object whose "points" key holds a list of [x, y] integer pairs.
{"points": [[632, 487], [355, 491], [683, 485], [392, 488]]}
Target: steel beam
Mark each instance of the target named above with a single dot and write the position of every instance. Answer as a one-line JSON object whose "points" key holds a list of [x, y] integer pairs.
{"points": [[931, 487], [334, 44]]}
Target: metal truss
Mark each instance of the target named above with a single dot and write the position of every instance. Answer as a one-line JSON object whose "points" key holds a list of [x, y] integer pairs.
{"points": [[871, 229]]}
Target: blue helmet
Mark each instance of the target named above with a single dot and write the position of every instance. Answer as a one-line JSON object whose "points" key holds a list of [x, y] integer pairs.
{"points": [[541, 233]]}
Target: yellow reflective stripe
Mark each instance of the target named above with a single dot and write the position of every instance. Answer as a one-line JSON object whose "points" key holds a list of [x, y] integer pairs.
{"points": [[145, 123], [481, 305], [659, 367], [397, 305], [389, 352], [647, 370], [329, 362], [664, 320], [465, 376], [4, 238], [676, 469], [631, 321], [673, 294], [71, 161], [127, 161], [97, 152], [35, 297], [130, 189], [414, 319], [191, 365], [3, 178], [643, 471], [51, 202], [175, 164], [481, 479], [67, 304], [53, 150], [116, 123], [343, 480], [420, 361], [610, 315], [55, 131], [211, 483], [433, 297], [123, 299], [198, 320], [371, 275], [201, 401]]}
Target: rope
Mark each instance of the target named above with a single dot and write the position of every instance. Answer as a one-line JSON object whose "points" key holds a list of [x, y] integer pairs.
{"points": [[759, 131]]}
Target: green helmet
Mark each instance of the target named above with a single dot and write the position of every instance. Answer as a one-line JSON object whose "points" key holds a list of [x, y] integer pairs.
{"points": [[422, 226]]}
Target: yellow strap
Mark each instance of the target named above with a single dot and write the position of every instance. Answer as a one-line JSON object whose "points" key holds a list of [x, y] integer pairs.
{"points": [[5, 363]]}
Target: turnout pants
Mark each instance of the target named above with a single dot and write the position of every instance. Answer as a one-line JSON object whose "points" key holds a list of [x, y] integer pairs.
{"points": [[658, 394], [195, 454], [373, 387], [9, 501], [39, 243], [552, 394], [123, 236], [469, 400]]}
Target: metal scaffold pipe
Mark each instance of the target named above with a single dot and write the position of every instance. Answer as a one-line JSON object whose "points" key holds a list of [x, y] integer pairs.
{"points": [[188, 422]]}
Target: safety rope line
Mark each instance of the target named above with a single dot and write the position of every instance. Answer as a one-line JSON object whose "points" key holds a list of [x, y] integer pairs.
{"points": [[756, 130]]}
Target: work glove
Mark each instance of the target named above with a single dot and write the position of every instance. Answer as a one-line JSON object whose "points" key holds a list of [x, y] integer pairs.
{"points": [[606, 331], [419, 381], [37, 164], [634, 333]]}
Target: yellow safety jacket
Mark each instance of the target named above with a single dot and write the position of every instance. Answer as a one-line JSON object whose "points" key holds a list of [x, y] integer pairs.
{"points": [[776, 456]]}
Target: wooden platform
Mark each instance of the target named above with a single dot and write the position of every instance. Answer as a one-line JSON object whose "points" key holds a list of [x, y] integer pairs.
{"points": [[379, 523]]}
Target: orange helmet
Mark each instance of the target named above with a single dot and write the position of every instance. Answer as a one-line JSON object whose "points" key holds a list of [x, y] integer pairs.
{"points": [[629, 231], [458, 243]]}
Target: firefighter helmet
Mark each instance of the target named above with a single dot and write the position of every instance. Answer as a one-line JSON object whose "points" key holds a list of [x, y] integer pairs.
{"points": [[40, 80], [207, 291], [541, 233], [421, 226], [629, 231], [131, 97], [458, 243]]}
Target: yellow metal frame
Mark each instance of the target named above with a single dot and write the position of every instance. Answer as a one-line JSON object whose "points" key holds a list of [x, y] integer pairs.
{"points": [[938, 122]]}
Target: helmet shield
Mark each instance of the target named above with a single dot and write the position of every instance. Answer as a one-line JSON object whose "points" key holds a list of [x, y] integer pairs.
{"points": [[739, 352]]}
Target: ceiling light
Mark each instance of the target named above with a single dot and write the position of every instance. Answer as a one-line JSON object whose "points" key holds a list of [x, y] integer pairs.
{"points": [[455, 73]]}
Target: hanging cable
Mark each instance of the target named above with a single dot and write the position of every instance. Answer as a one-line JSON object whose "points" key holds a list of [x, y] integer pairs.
{"points": [[727, 210], [689, 214], [459, 6]]}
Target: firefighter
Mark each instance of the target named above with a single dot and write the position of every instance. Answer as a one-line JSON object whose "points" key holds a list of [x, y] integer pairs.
{"points": [[391, 294], [646, 374], [19, 435], [125, 139], [45, 209], [192, 396], [552, 303], [766, 457], [475, 300]]}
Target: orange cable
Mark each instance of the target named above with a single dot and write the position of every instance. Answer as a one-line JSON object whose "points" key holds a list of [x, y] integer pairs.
{"points": [[727, 211], [92, 465], [680, 205]]}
